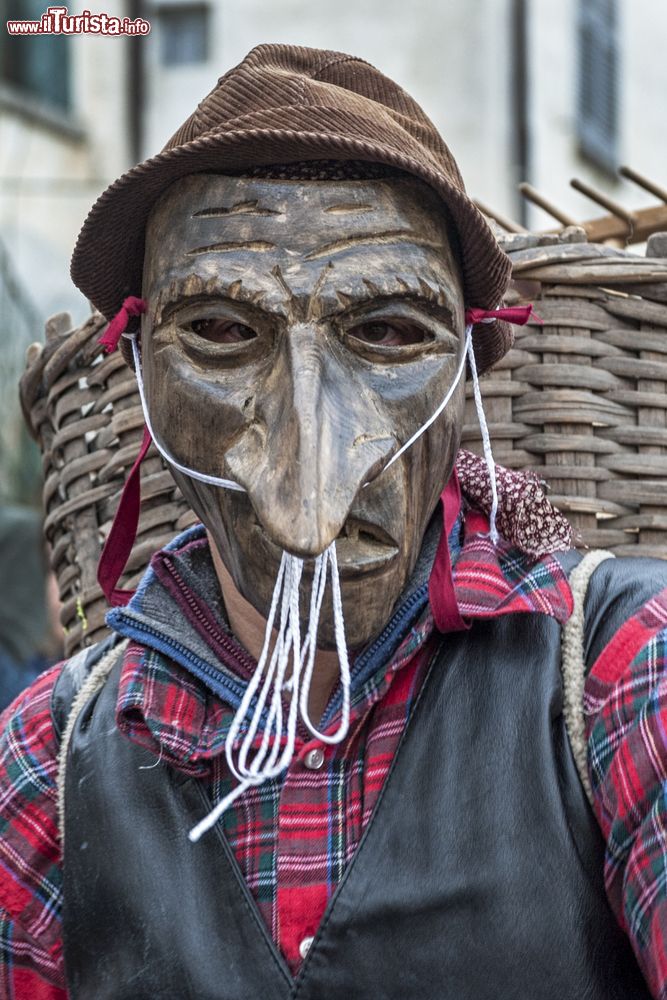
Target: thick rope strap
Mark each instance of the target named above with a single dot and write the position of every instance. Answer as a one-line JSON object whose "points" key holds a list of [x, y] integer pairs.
{"points": [[573, 663], [91, 685]]}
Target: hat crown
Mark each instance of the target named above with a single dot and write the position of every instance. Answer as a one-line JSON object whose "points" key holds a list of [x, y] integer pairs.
{"points": [[287, 76]]}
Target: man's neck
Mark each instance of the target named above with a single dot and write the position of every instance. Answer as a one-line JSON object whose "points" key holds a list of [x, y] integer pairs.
{"points": [[249, 627]]}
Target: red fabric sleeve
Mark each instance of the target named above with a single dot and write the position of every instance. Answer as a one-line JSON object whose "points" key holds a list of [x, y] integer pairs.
{"points": [[31, 966], [626, 726]]}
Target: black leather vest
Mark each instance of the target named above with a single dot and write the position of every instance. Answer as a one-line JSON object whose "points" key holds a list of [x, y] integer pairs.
{"points": [[479, 876]]}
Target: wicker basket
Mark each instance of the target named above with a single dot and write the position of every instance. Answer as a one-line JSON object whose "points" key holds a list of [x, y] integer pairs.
{"points": [[83, 408], [580, 399]]}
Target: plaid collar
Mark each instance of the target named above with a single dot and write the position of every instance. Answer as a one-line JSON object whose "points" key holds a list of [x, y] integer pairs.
{"points": [[180, 682]]}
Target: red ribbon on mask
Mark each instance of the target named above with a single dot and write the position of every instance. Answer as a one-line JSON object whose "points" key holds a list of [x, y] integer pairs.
{"points": [[132, 306], [518, 315]]}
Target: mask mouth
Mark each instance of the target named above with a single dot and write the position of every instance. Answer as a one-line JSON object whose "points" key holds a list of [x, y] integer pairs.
{"points": [[362, 548]]}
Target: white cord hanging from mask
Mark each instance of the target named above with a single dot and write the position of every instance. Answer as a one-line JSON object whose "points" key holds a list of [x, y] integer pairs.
{"points": [[252, 765], [285, 668], [486, 439]]}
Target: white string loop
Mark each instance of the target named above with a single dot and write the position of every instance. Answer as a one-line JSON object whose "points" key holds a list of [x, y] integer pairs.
{"points": [[265, 691], [486, 439], [227, 484], [467, 349], [310, 646]]}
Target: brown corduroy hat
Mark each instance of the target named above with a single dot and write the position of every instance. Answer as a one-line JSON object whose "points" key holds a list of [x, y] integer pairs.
{"points": [[282, 104]]}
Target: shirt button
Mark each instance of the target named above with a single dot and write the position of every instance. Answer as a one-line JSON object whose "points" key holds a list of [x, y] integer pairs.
{"points": [[304, 947], [313, 761]]}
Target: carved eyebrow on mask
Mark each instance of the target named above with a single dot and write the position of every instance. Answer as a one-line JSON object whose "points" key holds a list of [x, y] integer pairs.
{"points": [[391, 236], [181, 291], [240, 208], [349, 209], [258, 246], [394, 286]]}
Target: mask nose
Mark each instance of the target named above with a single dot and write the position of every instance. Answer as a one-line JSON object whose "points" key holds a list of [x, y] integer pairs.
{"points": [[317, 437]]}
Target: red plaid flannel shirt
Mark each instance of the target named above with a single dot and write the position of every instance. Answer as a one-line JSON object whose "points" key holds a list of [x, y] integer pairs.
{"points": [[291, 874]]}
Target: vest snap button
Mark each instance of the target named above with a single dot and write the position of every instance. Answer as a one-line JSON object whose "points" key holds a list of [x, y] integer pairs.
{"points": [[314, 760], [304, 947]]}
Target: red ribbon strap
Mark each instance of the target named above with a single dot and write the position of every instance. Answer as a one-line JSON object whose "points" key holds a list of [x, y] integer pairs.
{"points": [[132, 306], [442, 596], [518, 315], [123, 532]]}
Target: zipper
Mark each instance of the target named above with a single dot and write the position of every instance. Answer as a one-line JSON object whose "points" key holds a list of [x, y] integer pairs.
{"points": [[199, 665], [377, 644]]}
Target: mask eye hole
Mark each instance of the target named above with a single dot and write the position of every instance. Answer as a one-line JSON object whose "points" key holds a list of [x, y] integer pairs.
{"points": [[222, 331], [389, 333]]}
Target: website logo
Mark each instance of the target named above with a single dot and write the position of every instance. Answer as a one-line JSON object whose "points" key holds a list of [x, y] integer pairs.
{"points": [[58, 21]]}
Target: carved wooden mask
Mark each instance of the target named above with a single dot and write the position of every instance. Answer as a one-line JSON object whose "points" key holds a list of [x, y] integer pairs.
{"points": [[297, 334]]}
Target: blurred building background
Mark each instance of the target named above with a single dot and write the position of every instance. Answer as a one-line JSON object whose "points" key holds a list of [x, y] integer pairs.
{"points": [[522, 90]]}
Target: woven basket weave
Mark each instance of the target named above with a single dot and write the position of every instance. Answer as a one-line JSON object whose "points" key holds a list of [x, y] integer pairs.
{"points": [[83, 408], [581, 399]]}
